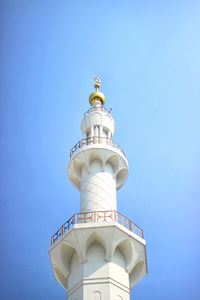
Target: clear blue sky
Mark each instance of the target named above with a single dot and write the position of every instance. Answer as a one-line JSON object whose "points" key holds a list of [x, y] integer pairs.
{"points": [[148, 56]]}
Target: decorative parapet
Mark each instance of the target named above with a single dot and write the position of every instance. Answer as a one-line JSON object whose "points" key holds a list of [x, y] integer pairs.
{"points": [[97, 217], [101, 108], [96, 140]]}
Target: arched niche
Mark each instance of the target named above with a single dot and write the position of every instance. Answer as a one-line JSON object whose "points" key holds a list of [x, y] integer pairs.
{"points": [[118, 258], [96, 295], [92, 238], [76, 181], [95, 260], [137, 273], [114, 162], [76, 270], [78, 165], [94, 157], [75, 170], [60, 277], [121, 178], [126, 248], [66, 253]]}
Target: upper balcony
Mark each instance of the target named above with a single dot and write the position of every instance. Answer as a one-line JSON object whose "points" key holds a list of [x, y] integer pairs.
{"points": [[95, 140], [98, 116], [101, 108]]}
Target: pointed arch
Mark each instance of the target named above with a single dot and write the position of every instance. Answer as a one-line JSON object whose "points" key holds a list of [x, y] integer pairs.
{"points": [[60, 277], [66, 252], [128, 251], [96, 295], [121, 178], [95, 237], [114, 162], [137, 273], [96, 156]]}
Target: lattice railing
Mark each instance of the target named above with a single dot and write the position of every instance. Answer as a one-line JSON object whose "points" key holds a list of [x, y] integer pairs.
{"points": [[95, 140], [100, 108], [97, 217]]}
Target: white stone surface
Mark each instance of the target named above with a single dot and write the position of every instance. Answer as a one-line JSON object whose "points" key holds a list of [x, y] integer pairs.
{"points": [[98, 189], [98, 261], [98, 171], [96, 120], [104, 258]]}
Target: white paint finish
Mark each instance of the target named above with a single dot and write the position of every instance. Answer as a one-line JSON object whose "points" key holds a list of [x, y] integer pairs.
{"points": [[98, 261], [99, 276], [106, 155], [101, 255], [119, 259], [96, 131], [118, 294], [96, 295], [91, 131], [101, 132], [98, 118], [76, 271], [96, 266], [98, 189]]}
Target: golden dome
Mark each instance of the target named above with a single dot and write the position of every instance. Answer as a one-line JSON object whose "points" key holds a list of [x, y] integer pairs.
{"points": [[97, 95]]}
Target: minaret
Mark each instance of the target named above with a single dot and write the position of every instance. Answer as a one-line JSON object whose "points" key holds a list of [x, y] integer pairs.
{"points": [[98, 254]]}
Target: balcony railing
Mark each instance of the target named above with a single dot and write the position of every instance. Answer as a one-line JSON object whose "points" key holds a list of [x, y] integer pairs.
{"points": [[97, 217], [101, 108], [95, 140]]}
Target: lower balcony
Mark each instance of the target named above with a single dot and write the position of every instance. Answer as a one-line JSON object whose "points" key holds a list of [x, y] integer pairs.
{"points": [[97, 217]]}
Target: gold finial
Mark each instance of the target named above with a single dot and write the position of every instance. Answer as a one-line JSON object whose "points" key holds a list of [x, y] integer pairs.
{"points": [[97, 84], [97, 95], [97, 79]]}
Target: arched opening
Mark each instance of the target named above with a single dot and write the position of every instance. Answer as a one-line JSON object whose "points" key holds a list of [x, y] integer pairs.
{"points": [[118, 258], [95, 156], [66, 255], [95, 237], [76, 270], [114, 162], [126, 250], [121, 178], [60, 277], [136, 274], [95, 260]]}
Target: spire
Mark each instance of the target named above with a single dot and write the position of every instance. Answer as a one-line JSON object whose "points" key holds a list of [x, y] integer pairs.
{"points": [[97, 96]]}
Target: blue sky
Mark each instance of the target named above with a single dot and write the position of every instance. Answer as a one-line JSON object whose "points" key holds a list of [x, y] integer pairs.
{"points": [[147, 54]]}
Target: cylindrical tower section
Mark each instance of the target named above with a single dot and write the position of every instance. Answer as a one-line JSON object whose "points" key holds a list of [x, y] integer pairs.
{"points": [[98, 188], [98, 122], [98, 171], [98, 166]]}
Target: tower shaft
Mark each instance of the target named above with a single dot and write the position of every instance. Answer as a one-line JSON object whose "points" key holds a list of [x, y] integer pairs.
{"points": [[98, 254]]}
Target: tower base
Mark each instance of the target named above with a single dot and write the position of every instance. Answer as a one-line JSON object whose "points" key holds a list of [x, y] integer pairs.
{"points": [[99, 261], [98, 279]]}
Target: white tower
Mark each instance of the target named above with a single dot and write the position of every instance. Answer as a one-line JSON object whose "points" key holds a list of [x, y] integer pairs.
{"points": [[98, 254]]}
